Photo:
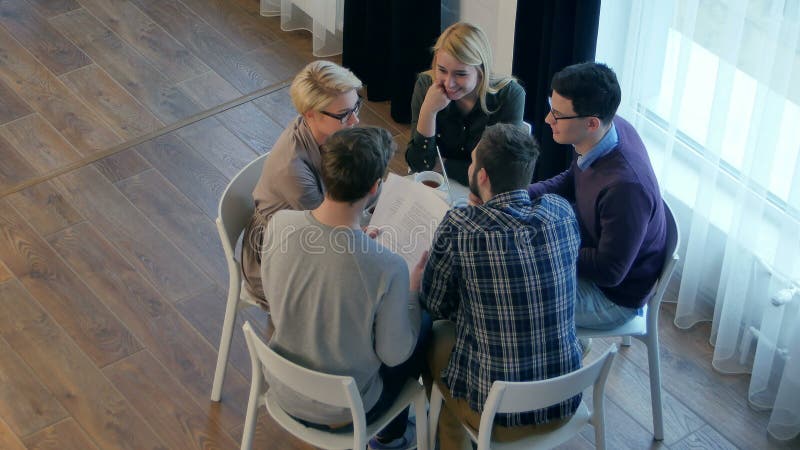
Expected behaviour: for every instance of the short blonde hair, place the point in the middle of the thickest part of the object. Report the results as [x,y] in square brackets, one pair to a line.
[319,83]
[468,44]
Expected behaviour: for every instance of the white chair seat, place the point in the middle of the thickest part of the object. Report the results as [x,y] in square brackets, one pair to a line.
[341,440]
[581,418]
[635,327]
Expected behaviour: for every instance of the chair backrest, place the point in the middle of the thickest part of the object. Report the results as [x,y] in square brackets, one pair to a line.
[670,260]
[335,390]
[528,127]
[513,397]
[236,204]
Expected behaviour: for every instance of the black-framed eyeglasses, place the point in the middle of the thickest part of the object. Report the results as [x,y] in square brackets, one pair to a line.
[557,118]
[345,116]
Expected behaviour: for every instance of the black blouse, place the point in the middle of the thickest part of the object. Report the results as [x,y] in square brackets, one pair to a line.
[458,134]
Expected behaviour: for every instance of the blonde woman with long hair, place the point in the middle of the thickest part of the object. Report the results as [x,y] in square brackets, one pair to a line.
[457,99]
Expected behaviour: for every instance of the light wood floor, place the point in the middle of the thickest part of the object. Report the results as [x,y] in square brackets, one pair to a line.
[121,122]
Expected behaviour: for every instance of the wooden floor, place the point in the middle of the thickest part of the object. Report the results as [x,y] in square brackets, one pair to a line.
[121,122]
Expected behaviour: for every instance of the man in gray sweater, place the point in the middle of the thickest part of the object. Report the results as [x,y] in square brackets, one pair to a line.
[342,303]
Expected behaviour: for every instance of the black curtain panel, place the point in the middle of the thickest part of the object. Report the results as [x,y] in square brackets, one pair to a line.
[550,35]
[387,43]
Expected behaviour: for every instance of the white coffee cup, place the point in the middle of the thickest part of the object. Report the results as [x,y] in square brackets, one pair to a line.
[431,179]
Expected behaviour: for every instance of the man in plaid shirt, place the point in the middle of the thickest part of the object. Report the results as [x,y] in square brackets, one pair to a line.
[502,272]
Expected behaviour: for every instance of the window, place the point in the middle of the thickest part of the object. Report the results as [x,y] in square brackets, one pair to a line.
[714,89]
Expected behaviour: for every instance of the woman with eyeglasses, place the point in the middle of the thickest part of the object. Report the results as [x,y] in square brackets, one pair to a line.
[457,99]
[326,97]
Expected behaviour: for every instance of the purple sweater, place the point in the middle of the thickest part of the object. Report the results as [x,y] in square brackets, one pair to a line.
[621,215]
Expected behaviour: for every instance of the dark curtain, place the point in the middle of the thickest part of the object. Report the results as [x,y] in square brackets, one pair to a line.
[386,43]
[550,35]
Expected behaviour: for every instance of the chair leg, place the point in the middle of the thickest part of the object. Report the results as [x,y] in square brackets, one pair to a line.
[654,362]
[433,415]
[422,420]
[598,421]
[225,342]
[249,429]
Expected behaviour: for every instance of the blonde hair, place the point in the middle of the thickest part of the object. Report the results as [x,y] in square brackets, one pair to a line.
[319,83]
[468,44]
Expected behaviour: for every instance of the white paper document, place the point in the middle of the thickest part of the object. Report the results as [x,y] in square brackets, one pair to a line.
[407,215]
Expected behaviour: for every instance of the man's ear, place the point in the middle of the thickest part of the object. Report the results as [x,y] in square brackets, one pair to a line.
[595,124]
[482,175]
[374,189]
[483,179]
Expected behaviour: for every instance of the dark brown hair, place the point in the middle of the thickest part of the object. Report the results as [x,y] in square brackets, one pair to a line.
[353,159]
[508,153]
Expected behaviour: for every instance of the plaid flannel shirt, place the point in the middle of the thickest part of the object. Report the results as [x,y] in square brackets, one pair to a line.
[505,273]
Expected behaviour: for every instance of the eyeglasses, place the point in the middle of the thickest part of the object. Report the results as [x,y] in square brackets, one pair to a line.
[557,118]
[345,116]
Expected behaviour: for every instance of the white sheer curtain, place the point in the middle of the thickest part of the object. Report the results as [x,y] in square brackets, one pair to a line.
[323,18]
[713,86]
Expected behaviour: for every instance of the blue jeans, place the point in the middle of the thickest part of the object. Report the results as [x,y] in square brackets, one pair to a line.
[594,310]
[394,378]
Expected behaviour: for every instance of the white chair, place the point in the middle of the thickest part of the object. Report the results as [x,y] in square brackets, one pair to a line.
[330,389]
[235,210]
[528,127]
[512,397]
[645,327]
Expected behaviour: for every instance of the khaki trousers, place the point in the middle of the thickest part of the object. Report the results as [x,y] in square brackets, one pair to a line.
[251,259]
[456,411]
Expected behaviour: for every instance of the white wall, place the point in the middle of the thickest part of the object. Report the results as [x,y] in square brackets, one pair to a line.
[496,17]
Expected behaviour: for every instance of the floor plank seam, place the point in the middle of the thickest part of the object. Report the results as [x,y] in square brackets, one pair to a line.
[27,436]
[10,122]
[146,137]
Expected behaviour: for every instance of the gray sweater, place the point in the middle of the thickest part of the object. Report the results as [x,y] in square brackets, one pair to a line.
[291,175]
[340,304]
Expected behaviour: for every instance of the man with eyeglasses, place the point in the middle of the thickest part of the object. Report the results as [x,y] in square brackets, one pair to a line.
[615,194]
